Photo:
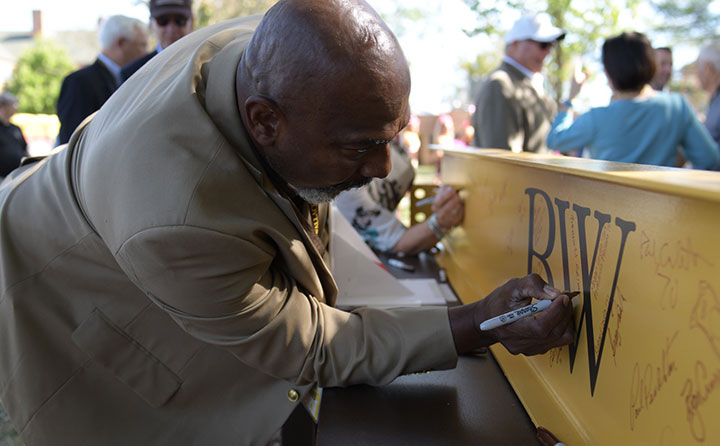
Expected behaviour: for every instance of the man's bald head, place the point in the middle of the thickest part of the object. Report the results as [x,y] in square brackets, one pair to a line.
[306,48]
[322,87]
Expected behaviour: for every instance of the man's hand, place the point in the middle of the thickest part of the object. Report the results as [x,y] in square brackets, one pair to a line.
[580,76]
[449,207]
[533,335]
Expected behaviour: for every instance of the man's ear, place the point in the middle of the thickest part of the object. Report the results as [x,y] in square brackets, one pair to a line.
[709,69]
[264,118]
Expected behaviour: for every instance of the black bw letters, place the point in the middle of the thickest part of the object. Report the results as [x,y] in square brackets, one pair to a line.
[557,215]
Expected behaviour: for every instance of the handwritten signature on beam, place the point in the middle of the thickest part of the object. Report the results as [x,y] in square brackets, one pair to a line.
[696,391]
[679,255]
[646,388]
[616,334]
[706,313]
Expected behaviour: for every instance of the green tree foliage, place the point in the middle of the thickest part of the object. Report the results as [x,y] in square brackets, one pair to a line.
[38,76]
[208,12]
[399,16]
[483,64]
[687,21]
[586,23]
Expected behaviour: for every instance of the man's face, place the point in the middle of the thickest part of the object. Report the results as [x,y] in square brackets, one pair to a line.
[6,112]
[530,54]
[664,63]
[168,28]
[705,74]
[337,144]
[137,47]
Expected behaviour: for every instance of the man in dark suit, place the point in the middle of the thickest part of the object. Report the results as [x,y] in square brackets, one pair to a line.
[13,146]
[169,21]
[122,39]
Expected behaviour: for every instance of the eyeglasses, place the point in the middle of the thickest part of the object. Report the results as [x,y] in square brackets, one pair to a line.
[164,20]
[544,45]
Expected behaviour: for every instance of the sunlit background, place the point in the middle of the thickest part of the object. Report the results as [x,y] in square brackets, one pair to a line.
[449,44]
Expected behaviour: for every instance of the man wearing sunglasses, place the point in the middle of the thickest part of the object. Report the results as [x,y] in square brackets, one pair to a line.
[512,112]
[169,21]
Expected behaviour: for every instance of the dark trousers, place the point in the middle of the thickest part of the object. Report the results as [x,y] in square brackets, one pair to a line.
[299,429]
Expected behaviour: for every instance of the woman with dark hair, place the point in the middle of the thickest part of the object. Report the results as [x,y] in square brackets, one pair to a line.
[640,125]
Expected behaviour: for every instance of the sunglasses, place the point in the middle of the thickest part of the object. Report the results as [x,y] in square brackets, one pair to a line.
[164,20]
[544,45]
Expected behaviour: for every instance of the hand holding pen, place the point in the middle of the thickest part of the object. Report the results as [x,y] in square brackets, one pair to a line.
[520,313]
[550,328]
[448,209]
[547,329]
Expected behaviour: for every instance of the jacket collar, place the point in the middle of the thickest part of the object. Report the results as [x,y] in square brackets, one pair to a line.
[509,61]
[221,104]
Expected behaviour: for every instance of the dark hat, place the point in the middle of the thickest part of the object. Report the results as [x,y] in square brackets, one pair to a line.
[162,7]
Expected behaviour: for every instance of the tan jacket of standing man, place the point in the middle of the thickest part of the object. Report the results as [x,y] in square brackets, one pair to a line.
[163,279]
[512,112]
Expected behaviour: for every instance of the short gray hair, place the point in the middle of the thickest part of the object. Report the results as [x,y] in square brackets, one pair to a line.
[117,26]
[7,99]
[711,54]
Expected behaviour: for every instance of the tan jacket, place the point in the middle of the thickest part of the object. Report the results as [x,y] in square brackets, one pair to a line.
[157,289]
[511,114]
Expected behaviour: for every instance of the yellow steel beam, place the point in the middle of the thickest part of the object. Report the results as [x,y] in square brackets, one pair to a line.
[642,243]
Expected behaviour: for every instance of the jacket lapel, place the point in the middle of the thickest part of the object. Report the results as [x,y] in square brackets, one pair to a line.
[109,83]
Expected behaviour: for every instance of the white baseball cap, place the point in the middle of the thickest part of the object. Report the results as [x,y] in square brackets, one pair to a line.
[535,27]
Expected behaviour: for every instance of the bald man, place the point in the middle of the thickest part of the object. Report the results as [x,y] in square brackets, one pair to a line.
[180,295]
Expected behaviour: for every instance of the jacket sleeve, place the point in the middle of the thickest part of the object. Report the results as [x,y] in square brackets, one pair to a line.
[566,135]
[234,294]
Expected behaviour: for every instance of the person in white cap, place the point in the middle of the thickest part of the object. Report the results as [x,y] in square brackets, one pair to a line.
[512,112]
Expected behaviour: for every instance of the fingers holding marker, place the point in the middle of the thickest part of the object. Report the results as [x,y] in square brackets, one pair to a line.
[449,207]
[442,196]
[551,326]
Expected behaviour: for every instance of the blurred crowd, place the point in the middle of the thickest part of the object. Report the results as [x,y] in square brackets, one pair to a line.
[650,124]
[643,122]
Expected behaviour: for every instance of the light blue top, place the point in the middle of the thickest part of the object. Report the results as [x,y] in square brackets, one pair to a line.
[643,131]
